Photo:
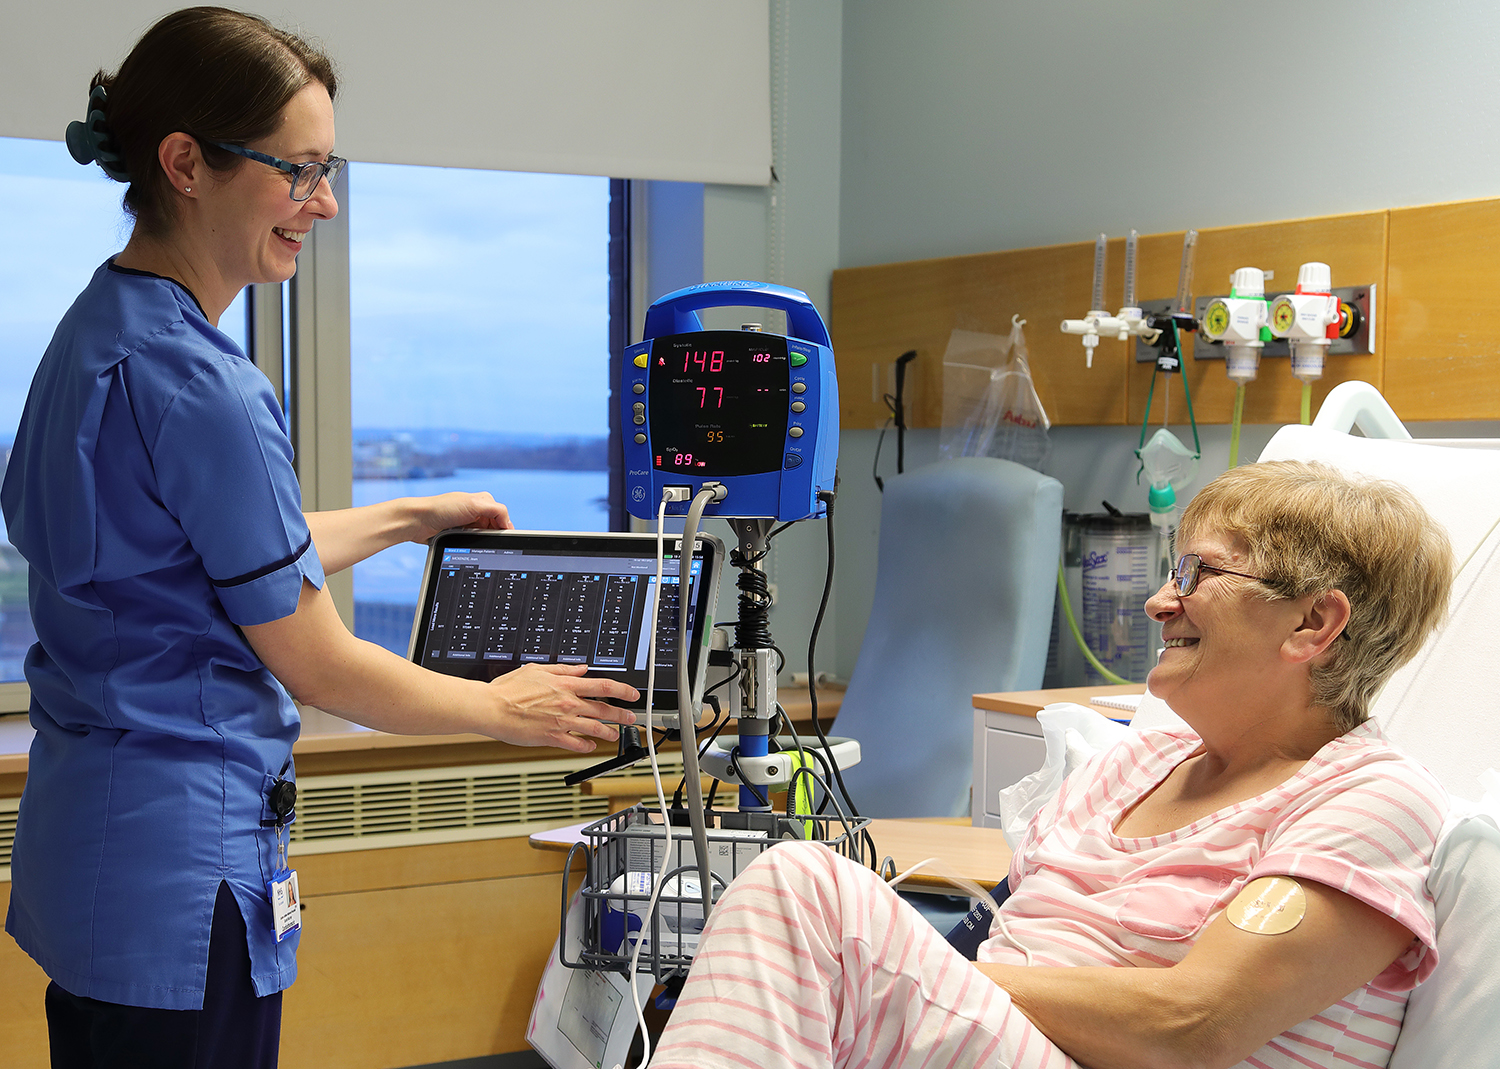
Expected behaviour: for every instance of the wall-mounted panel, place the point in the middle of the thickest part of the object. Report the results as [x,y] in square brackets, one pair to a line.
[1443,345]
[880,312]
[1436,338]
[1354,248]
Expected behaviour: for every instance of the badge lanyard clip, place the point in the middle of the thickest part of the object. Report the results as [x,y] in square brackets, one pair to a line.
[286,908]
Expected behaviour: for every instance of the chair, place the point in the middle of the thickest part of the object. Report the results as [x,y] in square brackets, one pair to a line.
[964,584]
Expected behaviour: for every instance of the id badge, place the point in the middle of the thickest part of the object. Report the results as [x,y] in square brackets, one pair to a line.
[286,903]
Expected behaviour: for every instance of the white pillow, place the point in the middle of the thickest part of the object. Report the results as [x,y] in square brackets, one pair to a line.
[1452,1020]
[1073,734]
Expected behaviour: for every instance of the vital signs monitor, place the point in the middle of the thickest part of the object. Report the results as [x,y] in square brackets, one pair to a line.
[493,601]
[754,411]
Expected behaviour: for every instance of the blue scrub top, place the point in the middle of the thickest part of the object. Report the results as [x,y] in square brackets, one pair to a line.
[151,490]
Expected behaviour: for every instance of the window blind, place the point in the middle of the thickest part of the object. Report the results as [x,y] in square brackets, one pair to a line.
[663,89]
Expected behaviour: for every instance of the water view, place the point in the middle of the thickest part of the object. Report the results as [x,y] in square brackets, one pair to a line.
[386,586]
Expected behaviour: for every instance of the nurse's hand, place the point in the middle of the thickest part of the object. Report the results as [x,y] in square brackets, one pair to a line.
[315,657]
[429,515]
[345,537]
[557,705]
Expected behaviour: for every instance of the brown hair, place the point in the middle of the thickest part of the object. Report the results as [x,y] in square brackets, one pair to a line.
[213,73]
[1310,528]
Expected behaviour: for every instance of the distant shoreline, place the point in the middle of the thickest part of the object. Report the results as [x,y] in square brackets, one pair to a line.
[404,455]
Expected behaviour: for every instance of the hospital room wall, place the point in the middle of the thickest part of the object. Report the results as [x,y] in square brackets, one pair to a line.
[787,233]
[977,125]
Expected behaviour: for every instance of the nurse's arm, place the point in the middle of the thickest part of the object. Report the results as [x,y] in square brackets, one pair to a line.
[1231,994]
[345,537]
[321,664]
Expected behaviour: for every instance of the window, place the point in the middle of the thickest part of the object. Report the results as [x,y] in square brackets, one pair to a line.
[58,223]
[479,353]
[480,319]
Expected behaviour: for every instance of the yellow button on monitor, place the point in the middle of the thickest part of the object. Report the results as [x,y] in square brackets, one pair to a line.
[642,360]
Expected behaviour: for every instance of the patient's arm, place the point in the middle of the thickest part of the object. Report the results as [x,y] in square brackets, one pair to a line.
[1233,992]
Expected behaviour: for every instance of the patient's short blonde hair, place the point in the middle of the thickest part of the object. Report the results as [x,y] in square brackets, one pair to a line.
[1309,528]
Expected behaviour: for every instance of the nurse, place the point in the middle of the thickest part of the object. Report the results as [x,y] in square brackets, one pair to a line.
[177,588]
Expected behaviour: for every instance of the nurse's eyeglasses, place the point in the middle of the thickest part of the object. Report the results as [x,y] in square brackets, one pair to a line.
[305,176]
[1190,568]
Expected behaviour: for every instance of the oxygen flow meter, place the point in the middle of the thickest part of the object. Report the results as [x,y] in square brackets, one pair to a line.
[753,411]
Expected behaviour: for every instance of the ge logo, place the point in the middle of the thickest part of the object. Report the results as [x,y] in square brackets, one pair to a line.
[638,494]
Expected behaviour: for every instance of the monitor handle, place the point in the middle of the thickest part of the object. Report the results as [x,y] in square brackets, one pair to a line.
[677,312]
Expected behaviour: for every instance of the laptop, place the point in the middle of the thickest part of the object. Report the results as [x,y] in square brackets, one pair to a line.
[493,601]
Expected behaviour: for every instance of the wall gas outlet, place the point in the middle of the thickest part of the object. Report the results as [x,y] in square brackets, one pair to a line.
[1360,340]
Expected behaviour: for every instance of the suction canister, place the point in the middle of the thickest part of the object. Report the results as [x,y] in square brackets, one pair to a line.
[1119,565]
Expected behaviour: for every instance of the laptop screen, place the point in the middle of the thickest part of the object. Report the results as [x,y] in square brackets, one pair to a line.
[493,601]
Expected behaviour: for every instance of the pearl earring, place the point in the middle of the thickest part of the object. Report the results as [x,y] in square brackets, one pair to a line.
[187,189]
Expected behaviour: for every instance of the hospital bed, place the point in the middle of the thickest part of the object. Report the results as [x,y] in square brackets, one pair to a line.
[1443,708]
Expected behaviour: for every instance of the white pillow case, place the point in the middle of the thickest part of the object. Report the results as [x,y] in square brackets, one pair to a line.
[1453,1019]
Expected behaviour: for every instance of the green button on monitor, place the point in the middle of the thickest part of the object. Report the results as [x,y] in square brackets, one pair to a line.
[798,359]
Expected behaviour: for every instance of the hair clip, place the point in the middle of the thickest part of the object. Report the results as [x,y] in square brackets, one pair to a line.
[89,141]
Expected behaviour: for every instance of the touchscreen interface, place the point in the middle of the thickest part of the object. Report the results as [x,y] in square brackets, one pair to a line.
[497,601]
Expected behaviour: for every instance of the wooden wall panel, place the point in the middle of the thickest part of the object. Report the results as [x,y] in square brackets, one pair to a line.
[1353,246]
[880,312]
[23,1021]
[413,975]
[414,866]
[410,955]
[1443,346]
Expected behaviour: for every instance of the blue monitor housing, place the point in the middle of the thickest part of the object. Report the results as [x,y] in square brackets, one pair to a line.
[757,412]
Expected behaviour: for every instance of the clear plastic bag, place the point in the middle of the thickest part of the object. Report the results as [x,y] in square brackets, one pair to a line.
[990,405]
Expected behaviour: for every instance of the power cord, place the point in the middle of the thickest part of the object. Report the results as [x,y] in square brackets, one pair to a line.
[828,497]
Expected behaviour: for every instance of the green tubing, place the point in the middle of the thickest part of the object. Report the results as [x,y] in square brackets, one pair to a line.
[1067,608]
[1306,404]
[1146,417]
[1234,425]
[1188,395]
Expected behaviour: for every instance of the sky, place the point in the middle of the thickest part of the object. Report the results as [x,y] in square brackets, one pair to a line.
[479,299]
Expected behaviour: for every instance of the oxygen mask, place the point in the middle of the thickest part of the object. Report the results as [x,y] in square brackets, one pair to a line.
[1169,466]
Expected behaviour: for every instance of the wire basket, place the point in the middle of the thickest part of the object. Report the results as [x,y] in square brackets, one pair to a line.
[624,854]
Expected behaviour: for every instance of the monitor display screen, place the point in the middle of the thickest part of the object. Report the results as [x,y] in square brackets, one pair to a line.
[496,600]
[719,402]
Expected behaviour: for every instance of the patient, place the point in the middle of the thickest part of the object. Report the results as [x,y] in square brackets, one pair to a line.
[1134,935]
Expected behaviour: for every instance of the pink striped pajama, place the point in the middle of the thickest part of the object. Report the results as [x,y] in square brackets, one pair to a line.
[811,961]
[816,962]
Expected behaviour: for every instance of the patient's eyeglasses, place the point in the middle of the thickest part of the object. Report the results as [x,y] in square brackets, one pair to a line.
[1190,568]
[305,176]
